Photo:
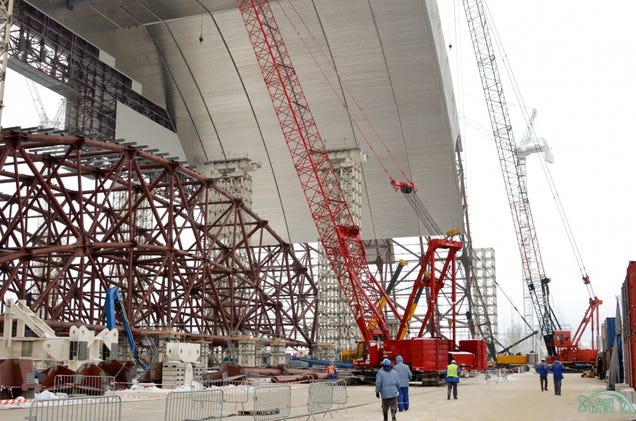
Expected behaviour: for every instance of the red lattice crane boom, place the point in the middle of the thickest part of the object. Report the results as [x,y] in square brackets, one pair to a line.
[337,231]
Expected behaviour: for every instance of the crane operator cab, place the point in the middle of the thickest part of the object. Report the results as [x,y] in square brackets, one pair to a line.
[563,339]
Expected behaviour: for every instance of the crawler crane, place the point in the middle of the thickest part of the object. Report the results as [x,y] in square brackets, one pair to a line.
[560,344]
[338,233]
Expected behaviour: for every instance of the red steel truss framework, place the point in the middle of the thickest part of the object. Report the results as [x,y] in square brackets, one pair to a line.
[80,215]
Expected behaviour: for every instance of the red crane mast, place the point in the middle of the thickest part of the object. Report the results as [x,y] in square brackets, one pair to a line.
[338,233]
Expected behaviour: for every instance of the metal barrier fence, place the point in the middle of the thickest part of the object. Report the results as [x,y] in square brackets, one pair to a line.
[79,384]
[94,408]
[340,396]
[322,397]
[271,402]
[200,405]
[496,376]
[238,394]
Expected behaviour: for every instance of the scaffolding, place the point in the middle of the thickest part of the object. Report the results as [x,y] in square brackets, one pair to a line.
[336,324]
[484,267]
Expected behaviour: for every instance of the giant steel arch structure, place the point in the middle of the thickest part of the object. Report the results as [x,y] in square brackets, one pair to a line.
[81,215]
[217,268]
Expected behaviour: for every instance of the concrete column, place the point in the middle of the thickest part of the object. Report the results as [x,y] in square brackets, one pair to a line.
[277,353]
[246,351]
[484,265]
[336,324]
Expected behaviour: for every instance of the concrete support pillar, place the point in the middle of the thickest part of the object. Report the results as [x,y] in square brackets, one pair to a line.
[233,175]
[326,351]
[336,324]
[277,353]
[246,351]
[484,309]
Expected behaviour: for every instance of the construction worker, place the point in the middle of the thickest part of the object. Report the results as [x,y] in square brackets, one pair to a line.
[557,375]
[331,372]
[542,369]
[387,383]
[452,374]
[405,375]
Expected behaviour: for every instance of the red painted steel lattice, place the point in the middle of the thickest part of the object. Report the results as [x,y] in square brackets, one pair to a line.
[80,215]
[337,231]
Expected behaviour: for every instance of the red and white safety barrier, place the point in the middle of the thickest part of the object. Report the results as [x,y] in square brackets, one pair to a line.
[16,401]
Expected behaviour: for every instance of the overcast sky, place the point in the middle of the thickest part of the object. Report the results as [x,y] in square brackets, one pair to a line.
[574,62]
[20,108]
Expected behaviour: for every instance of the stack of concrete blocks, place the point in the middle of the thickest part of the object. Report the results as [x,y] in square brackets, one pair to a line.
[182,365]
[246,351]
[325,351]
[277,354]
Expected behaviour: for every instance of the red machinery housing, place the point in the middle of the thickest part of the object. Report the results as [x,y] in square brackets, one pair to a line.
[567,346]
[568,351]
[427,352]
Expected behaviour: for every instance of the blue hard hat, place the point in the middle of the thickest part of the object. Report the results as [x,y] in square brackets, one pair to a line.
[386,362]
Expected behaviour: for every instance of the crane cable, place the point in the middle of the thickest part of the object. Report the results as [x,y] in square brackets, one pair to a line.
[347,89]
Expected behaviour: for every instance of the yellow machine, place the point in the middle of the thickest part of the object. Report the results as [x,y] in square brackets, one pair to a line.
[508,360]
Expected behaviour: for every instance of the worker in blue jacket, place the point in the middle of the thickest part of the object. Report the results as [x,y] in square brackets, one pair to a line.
[405,375]
[386,386]
[452,374]
[542,369]
[557,375]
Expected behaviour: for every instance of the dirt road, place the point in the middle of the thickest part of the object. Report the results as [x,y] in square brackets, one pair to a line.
[518,398]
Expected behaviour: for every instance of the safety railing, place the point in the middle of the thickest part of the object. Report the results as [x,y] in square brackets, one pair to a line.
[237,394]
[198,405]
[79,384]
[271,403]
[93,408]
[496,376]
[325,397]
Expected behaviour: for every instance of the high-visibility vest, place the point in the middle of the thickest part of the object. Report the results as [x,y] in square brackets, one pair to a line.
[451,370]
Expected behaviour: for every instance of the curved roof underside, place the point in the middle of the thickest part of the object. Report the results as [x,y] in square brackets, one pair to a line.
[194,58]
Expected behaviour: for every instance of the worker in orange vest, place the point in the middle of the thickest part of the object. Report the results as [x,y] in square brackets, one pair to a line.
[331,372]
